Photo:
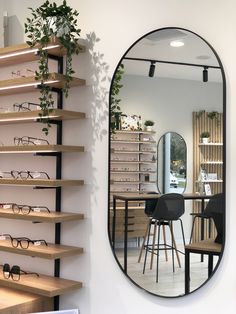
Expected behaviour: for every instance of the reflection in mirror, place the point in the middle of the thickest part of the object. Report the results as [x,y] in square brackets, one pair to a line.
[158,86]
[171,163]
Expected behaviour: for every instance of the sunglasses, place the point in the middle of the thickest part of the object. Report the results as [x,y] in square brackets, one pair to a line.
[28,140]
[24,209]
[15,272]
[23,242]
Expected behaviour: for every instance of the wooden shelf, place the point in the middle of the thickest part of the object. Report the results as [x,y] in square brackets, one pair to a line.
[23,53]
[52,217]
[132,142]
[19,302]
[33,116]
[212,162]
[131,172]
[43,285]
[52,251]
[132,162]
[41,149]
[29,84]
[41,182]
[133,132]
[132,182]
[210,144]
[115,151]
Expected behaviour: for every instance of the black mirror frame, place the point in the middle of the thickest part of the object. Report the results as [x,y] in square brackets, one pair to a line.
[224,159]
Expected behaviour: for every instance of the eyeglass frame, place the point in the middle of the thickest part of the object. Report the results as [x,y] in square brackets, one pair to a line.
[19,241]
[15,270]
[19,173]
[20,106]
[19,208]
[21,140]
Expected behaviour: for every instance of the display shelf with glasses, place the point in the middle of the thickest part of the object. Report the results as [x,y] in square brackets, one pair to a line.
[42,285]
[51,286]
[207,160]
[132,169]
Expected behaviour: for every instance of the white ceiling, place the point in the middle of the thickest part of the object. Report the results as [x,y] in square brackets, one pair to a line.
[157,46]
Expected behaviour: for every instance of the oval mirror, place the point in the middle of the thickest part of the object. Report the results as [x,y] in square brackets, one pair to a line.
[167,240]
[171,163]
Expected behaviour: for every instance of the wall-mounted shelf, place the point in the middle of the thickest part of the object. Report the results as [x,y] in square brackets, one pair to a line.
[51,251]
[132,142]
[43,285]
[29,84]
[49,286]
[139,152]
[212,162]
[33,116]
[131,182]
[132,162]
[132,172]
[41,149]
[23,53]
[134,132]
[41,182]
[19,302]
[210,144]
[52,217]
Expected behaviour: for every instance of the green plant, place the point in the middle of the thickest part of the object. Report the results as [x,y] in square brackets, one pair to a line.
[149,123]
[115,110]
[50,21]
[205,134]
[214,115]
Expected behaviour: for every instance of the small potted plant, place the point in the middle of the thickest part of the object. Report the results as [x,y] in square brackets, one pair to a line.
[51,21]
[149,124]
[205,137]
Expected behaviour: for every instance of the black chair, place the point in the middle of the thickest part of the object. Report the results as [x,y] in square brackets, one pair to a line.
[170,207]
[214,210]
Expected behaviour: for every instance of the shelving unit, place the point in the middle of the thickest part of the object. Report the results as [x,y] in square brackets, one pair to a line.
[49,286]
[133,157]
[207,157]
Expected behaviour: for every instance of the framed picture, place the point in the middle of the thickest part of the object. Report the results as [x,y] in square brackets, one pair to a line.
[207,188]
[130,122]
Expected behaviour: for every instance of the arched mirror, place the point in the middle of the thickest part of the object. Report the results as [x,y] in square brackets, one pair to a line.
[171,163]
[169,80]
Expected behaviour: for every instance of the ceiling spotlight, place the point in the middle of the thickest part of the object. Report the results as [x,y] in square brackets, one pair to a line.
[176,43]
[205,74]
[152,69]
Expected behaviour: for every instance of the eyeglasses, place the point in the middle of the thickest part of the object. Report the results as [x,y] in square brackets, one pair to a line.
[15,272]
[23,242]
[23,174]
[24,209]
[25,106]
[28,140]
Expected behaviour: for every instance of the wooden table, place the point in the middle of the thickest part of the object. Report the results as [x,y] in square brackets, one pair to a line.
[143,197]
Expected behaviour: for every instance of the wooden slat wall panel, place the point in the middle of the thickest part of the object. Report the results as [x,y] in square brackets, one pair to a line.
[206,153]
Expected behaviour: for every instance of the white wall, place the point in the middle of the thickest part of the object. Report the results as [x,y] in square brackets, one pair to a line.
[118,24]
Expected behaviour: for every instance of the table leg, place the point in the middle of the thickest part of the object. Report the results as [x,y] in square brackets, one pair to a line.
[210,264]
[114,224]
[202,225]
[126,236]
[187,272]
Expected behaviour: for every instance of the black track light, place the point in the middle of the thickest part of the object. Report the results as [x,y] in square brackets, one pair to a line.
[205,74]
[152,69]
